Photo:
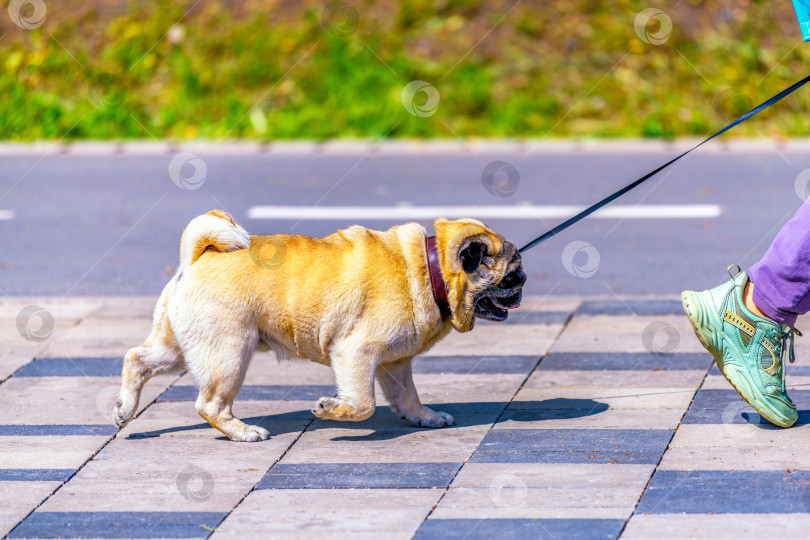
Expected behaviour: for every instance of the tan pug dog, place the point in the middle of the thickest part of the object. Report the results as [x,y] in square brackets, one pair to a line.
[358,300]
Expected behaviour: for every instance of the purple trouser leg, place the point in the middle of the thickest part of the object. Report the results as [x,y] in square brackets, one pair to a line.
[782,278]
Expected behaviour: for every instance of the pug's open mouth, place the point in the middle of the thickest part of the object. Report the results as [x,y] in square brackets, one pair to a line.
[496,309]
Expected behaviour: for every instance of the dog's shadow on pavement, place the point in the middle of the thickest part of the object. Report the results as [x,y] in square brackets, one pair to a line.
[385,425]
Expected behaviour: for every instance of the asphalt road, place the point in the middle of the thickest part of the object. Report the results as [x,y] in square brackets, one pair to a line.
[111,224]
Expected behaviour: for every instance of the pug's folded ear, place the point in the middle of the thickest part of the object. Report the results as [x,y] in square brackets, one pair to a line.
[471,255]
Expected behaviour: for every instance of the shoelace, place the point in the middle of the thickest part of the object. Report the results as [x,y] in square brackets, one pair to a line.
[784,335]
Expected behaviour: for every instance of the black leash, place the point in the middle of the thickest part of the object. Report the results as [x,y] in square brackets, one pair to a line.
[610,198]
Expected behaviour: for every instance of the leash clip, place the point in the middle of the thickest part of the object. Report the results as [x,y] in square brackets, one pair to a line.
[734,276]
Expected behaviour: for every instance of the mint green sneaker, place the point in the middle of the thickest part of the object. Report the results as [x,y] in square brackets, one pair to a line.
[748,349]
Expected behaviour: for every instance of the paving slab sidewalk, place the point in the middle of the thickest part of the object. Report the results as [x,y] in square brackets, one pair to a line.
[580,418]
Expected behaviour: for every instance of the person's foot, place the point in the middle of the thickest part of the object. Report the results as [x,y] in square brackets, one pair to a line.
[749,349]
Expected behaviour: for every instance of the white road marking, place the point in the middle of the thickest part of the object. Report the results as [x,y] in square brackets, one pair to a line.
[6,215]
[518,211]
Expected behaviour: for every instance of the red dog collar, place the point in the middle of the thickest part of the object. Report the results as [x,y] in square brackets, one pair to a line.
[436,279]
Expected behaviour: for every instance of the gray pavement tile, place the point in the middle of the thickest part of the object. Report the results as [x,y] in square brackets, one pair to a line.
[117,525]
[630,307]
[717,526]
[471,529]
[306,514]
[524,502]
[532,317]
[648,389]
[601,417]
[72,367]
[466,388]
[264,392]
[359,476]
[624,361]
[628,334]
[474,364]
[567,304]
[754,457]
[544,490]
[517,339]
[35,475]
[69,400]
[12,430]
[65,310]
[609,380]
[126,307]
[742,435]
[48,452]
[629,446]
[722,492]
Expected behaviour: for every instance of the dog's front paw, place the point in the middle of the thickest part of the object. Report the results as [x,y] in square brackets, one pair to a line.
[428,418]
[338,408]
[122,414]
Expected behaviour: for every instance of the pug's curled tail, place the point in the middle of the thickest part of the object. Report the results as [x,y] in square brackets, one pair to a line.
[215,230]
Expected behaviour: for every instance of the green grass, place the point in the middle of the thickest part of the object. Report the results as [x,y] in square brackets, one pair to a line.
[274,70]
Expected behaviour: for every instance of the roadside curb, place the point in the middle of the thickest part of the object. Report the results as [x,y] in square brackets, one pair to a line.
[337,147]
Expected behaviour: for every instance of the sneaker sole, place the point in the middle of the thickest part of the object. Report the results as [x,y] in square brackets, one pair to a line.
[704,322]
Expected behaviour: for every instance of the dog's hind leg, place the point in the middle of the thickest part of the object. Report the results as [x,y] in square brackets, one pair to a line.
[396,380]
[158,355]
[219,368]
